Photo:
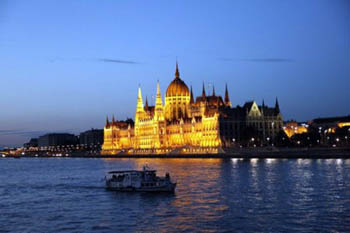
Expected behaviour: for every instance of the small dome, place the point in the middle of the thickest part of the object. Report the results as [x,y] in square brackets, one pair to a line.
[177,87]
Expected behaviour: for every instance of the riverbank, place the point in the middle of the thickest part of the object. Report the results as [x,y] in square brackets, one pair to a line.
[246,153]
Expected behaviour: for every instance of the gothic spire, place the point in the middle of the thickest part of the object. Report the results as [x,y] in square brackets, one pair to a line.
[107,121]
[227,99]
[277,106]
[139,107]
[213,90]
[113,120]
[203,91]
[146,104]
[263,106]
[158,113]
[191,98]
[159,102]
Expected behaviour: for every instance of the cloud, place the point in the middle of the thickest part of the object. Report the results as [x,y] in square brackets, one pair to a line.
[22,132]
[77,59]
[259,60]
[7,131]
[32,133]
[117,61]
[270,60]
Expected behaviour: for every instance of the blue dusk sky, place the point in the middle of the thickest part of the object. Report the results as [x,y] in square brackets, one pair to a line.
[66,64]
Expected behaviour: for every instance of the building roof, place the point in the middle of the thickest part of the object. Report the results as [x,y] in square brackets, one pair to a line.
[326,120]
[211,100]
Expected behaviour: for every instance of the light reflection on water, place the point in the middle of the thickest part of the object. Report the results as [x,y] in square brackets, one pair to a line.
[240,195]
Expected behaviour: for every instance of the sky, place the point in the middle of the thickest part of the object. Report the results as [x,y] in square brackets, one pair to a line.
[66,64]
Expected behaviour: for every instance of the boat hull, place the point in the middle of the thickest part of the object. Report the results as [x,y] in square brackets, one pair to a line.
[165,188]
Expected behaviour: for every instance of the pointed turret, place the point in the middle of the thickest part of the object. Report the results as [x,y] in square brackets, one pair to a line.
[139,107]
[191,96]
[227,99]
[146,105]
[203,91]
[277,106]
[177,73]
[213,90]
[263,107]
[107,122]
[159,104]
[113,119]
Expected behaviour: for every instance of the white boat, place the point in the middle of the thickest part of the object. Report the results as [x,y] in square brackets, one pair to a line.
[139,181]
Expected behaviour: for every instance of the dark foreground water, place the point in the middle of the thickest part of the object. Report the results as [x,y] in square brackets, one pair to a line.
[213,195]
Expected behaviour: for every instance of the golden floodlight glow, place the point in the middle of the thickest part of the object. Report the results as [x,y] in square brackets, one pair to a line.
[188,125]
[343,124]
[177,127]
[292,128]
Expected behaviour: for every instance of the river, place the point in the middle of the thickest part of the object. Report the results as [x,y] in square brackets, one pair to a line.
[212,195]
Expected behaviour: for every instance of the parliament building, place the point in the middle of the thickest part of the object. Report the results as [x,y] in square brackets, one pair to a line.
[185,124]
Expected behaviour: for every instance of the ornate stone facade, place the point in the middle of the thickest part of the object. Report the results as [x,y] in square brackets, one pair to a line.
[185,125]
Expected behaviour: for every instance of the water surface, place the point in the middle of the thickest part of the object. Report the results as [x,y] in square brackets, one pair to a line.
[213,195]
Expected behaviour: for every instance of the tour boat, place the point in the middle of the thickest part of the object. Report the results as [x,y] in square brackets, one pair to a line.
[145,180]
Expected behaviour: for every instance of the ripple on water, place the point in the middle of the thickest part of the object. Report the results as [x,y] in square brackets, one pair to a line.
[68,195]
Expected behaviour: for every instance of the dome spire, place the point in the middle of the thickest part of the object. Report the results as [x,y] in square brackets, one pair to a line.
[177,73]
[177,87]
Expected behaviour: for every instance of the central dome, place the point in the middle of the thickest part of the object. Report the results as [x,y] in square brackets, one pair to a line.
[177,87]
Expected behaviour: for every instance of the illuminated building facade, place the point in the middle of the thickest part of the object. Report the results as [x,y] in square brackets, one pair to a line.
[184,124]
[292,127]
